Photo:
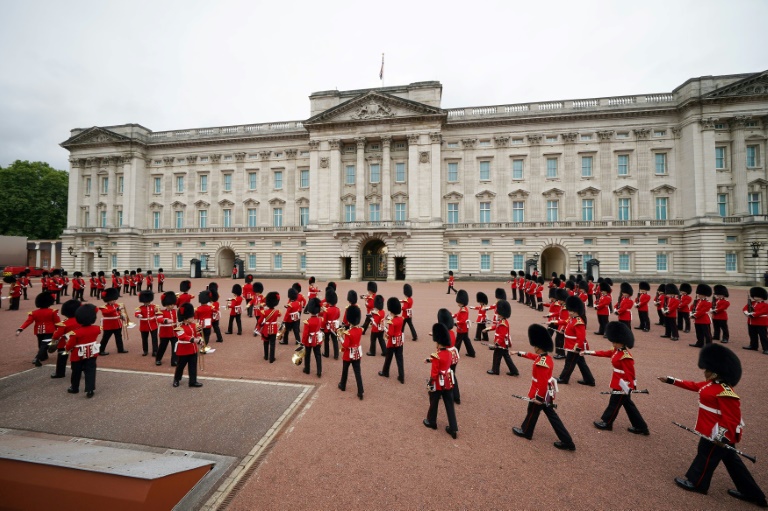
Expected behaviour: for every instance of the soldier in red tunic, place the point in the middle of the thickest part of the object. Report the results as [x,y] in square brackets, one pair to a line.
[623,381]
[641,303]
[440,382]
[671,306]
[603,307]
[168,322]
[268,324]
[235,305]
[377,327]
[160,280]
[312,289]
[148,280]
[394,338]
[756,311]
[139,280]
[684,310]
[248,295]
[445,318]
[184,296]
[719,422]
[147,315]
[701,316]
[111,322]
[501,340]
[25,282]
[257,300]
[331,323]
[204,316]
[575,335]
[291,318]
[720,306]
[132,283]
[14,292]
[59,341]
[77,286]
[462,323]
[213,288]
[513,284]
[407,306]
[541,393]
[45,320]
[83,345]
[450,283]
[625,304]
[126,282]
[370,298]
[659,301]
[481,308]
[312,337]
[186,346]
[300,298]
[351,350]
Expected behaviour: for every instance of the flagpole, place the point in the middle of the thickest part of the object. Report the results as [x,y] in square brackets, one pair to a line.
[381,73]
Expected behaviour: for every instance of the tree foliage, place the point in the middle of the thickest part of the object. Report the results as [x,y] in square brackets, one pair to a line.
[33,200]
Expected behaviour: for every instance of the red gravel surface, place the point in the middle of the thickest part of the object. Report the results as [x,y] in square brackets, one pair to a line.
[342,453]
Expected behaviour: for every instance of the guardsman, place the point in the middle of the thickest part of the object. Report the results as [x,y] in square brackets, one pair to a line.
[394,338]
[292,317]
[268,324]
[116,280]
[377,327]
[45,320]
[126,282]
[235,305]
[407,305]
[92,286]
[256,303]
[58,282]
[590,291]
[101,285]
[160,280]
[139,280]
[440,382]
[720,306]
[501,341]
[111,321]
[78,286]
[561,321]
[14,292]
[623,381]
[300,298]
[187,346]
[684,310]
[184,296]
[331,315]
[481,308]
[624,310]
[59,342]
[149,281]
[575,341]
[25,282]
[641,303]
[147,315]
[234,271]
[248,295]
[603,307]
[169,320]
[659,301]
[521,286]
[213,289]
[540,293]
[513,284]
[450,282]
[312,337]
[719,423]
[132,283]
[83,346]
[351,350]
[462,323]
[445,318]
[671,306]
[701,316]
[312,289]
[351,302]
[756,311]
[369,304]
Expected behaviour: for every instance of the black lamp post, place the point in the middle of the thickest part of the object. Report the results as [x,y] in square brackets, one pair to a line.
[579,255]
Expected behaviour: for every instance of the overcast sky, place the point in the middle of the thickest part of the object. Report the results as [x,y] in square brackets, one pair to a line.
[176,64]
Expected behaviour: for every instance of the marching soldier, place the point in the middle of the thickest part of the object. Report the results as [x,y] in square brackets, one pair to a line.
[25,282]
[184,296]
[312,337]
[590,291]
[351,302]
[92,285]
[101,285]
[394,337]
[168,323]
[701,318]
[370,299]
[312,289]
[160,280]
[83,347]
[268,324]
[559,322]
[132,283]
[407,306]
[45,320]
[377,327]
[575,341]
[671,306]
[248,295]
[204,317]
[213,289]
[756,311]
[513,284]
[351,350]
[139,280]
[462,323]
[147,315]
[501,340]
[148,280]
[300,298]
[445,318]
[450,283]
[292,317]
[660,302]
[126,282]
[59,341]
[186,346]
[720,306]
[331,323]
[684,310]
[641,302]
[624,310]
[111,322]
[603,307]
[440,382]
[14,292]
[481,308]
[235,305]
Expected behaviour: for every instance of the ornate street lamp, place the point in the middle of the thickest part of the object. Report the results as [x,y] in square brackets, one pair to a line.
[579,255]
[755,246]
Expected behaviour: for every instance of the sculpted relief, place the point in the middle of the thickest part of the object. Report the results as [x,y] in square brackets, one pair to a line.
[373,110]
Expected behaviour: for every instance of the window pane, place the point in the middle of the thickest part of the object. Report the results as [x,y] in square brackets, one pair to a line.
[485,262]
[586,166]
[179,219]
[350,175]
[155,220]
[623,262]
[753,200]
[661,262]
[251,180]
[453,213]
[751,156]
[719,157]
[552,210]
[624,209]
[453,172]
[722,204]
[374,213]
[587,210]
[119,218]
[551,167]
[730,262]
[105,185]
[179,261]
[251,261]
[518,211]
[400,212]
[453,262]
[485,170]
[278,261]
[517,169]
[304,180]
[485,212]
[277,217]
[155,261]
[227,218]
[304,216]
[661,208]
[400,172]
[623,165]
[278,180]
[204,183]
[375,173]
[303,261]
[203,219]
[120,184]
[661,163]
[517,262]
[252,217]
[349,213]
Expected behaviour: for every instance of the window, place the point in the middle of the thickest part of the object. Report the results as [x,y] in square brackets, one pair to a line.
[661,262]
[203,183]
[155,261]
[518,211]
[730,261]
[251,261]
[179,184]
[400,172]
[277,261]
[663,241]
[155,219]
[203,218]
[552,139]
[375,171]
[304,178]
[623,262]
[303,216]
[625,209]
[453,145]
[349,176]
[120,218]
[87,219]
[589,241]
[519,241]
[113,260]
[623,164]
[179,244]
[485,143]
[179,219]
[120,184]
[228,158]
[517,169]
[102,218]
[586,257]
[753,156]
[251,180]
[453,243]
[753,203]
[659,133]
[453,213]
[661,163]
[453,262]
[251,243]
[552,210]
[517,262]
[586,166]
[485,242]
[722,204]
[624,241]
[586,137]
[179,261]
[202,243]
[453,172]
[227,220]
[277,217]
[349,212]
[518,141]
[278,180]
[400,215]
[104,185]
[720,158]
[251,217]
[485,171]
[278,244]
[485,212]
[227,182]
[158,184]
[731,239]
[485,262]
[587,210]
[87,185]
[303,261]
[551,168]
[623,134]
[661,208]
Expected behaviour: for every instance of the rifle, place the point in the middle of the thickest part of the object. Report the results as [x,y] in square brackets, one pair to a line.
[644,391]
[750,458]
[523,398]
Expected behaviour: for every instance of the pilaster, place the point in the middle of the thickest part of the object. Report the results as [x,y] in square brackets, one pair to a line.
[413,177]
[386,180]
[315,177]
[360,180]
[738,166]
[436,181]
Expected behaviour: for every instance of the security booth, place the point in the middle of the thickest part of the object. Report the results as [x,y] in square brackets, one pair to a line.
[239,264]
[194,269]
[593,269]
[530,265]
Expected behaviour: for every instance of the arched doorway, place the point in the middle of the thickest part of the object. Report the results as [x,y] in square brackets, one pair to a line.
[225,260]
[553,260]
[374,259]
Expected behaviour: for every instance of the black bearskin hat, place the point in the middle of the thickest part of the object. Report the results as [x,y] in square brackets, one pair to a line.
[721,361]
[604,286]
[248,278]
[450,273]
[583,285]
[149,272]
[313,306]
[203,297]
[258,287]
[407,290]
[352,296]
[570,285]
[618,332]
[445,318]
[332,285]
[185,286]
[101,274]
[504,309]
[685,288]
[69,308]
[671,289]
[481,297]
[501,294]
[237,290]
[378,302]
[330,297]
[353,315]
[213,286]
[86,314]
[574,304]
[138,270]
[609,281]
[372,287]
[662,288]
[626,288]
[556,282]
[133,272]
[644,286]
[721,290]
[186,311]
[311,280]
[540,280]
[160,270]
[394,306]
[440,335]
[292,294]
[758,292]
[561,295]
[703,290]
[297,287]
[168,298]
[146,296]
[44,300]
[110,294]
[539,337]
[462,298]
[214,295]
[552,293]
[521,273]
[272,299]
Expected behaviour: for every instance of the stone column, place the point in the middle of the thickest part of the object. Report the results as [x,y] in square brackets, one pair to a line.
[75,191]
[413,177]
[535,209]
[738,167]
[607,176]
[37,255]
[436,140]
[360,180]
[645,171]
[109,200]
[238,190]
[469,178]
[570,178]
[386,179]
[332,187]
[315,176]
[52,263]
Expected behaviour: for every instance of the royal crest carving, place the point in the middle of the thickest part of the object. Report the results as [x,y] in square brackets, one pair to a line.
[191,159]
[501,140]
[436,138]
[334,144]
[215,158]
[708,123]
[291,153]
[264,155]
[423,156]
[324,162]
[373,110]
[468,143]
[168,160]
[413,138]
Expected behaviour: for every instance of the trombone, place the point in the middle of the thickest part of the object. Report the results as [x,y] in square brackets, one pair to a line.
[127,323]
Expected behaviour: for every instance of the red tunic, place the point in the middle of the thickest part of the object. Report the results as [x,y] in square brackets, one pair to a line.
[247,292]
[407,307]
[602,307]
[78,284]
[377,321]
[720,311]
[160,278]
[700,313]
[719,406]
[441,376]
[344,320]
[216,315]
[15,290]
[542,372]
[110,317]
[267,323]
[44,319]
[575,334]
[168,322]
[450,280]
[685,303]
[69,325]
[309,334]
[236,306]
[759,315]
[350,344]
[501,330]
[462,320]
[623,367]
[85,340]
[554,311]
[672,304]
[641,302]
[292,312]
[312,292]
[148,315]
[481,311]
[187,339]
[369,303]
[395,332]
[331,318]
[625,309]
[148,280]
[204,315]
[183,298]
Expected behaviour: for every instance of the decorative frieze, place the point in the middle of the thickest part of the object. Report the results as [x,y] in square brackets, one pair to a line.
[436,138]
[240,157]
[534,139]
[264,155]
[313,145]
[215,158]
[334,144]
[468,143]
[501,140]
[605,135]
[192,159]
[168,160]
[740,121]
[413,138]
[291,153]
[642,133]
[708,123]
[569,138]
[74,163]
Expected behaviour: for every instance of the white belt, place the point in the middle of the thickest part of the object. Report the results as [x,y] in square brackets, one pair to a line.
[570,337]
[618,371]
[713,410]
[534,379]
[83,349]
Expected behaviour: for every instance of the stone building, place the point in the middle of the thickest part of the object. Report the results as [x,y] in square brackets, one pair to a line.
[386,184]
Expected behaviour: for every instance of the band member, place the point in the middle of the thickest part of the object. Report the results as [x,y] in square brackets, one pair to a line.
[501,341]
[268,324]
[312,289]
[77,286]
[234,271]
[590,291]
[58,285]
[351,302]
[331,315]
[671,305]
[445,318]
[186,346]
[521,286]
[184,296]
[377,327]
[132,283]
[160,280]
[603,307]
[720,306]
[500,296]
[25,282]
[641,302]
[248,295]
[624,309]
[513,284]
[450,283]
[92,284]
[481,308]
[101,285]
[440,383]
[542,392]
[719,422]
[116,280]
[257,301]
[462,323]
[147,314]
[623,381]
[756,311]
[14,292]
[540,294]
[59,342]
[559,322]
[204,317]
[148,281]
[292,317]
[701,318]
[394,338]
[300,298]
[139,280]
[369,304]
[582,292]
[575,334]
[168,323]
[45,320]
[213,289]
[312,337]
[530,291]
[407,305]
[83,347]
[660,302]
[126,282]
[684,310]
[351,350]
[235,305]
[111,321]
[65,278]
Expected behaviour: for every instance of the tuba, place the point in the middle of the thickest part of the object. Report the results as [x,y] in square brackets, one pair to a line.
[298,355]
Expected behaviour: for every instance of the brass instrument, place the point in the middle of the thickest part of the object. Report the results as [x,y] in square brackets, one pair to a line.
[298,355]
[280,332]
[127,323]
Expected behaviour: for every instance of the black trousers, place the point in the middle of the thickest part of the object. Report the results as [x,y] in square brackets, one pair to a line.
[479,332]
[125,289]
[163,346]
[138,286]
[708,457]
[703,334]
[269,348]
[65,290]
[590,300]
[377,337]
[628,323]
[572,359]
[456,392]
[77,294]
[645,321]
[366,323]
[670,327]
[182,363]
[118,333]
[92,292]
[602,321]
[358,376]
[308,359]
[42,346]
[14,305]
[721,324]
[206,335]
[232,319]
[662,321]
[514,293]
[145,341]
[559,342]
[434,400]
[159,287]
[500,353]
[683,320]
[87,366]
[521,299]
[539,304]
[330,337]
[24,292]
[249,311]
[450,288]
[217,330]
[623,400]
[464,337]
[398,353]
[532,417]
[292,326]
[755,333]
[409,322]
[61,362]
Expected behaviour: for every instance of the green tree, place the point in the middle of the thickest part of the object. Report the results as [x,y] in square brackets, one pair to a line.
[33,200]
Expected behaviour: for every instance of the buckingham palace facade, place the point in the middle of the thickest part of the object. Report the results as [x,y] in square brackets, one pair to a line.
[386,184]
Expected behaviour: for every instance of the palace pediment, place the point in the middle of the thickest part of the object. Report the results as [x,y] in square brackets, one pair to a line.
[755,85]
[374,106]
[95,136]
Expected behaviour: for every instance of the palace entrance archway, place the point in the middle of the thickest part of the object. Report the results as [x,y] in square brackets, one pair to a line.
[374,260]
[225,261]
[552,260]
